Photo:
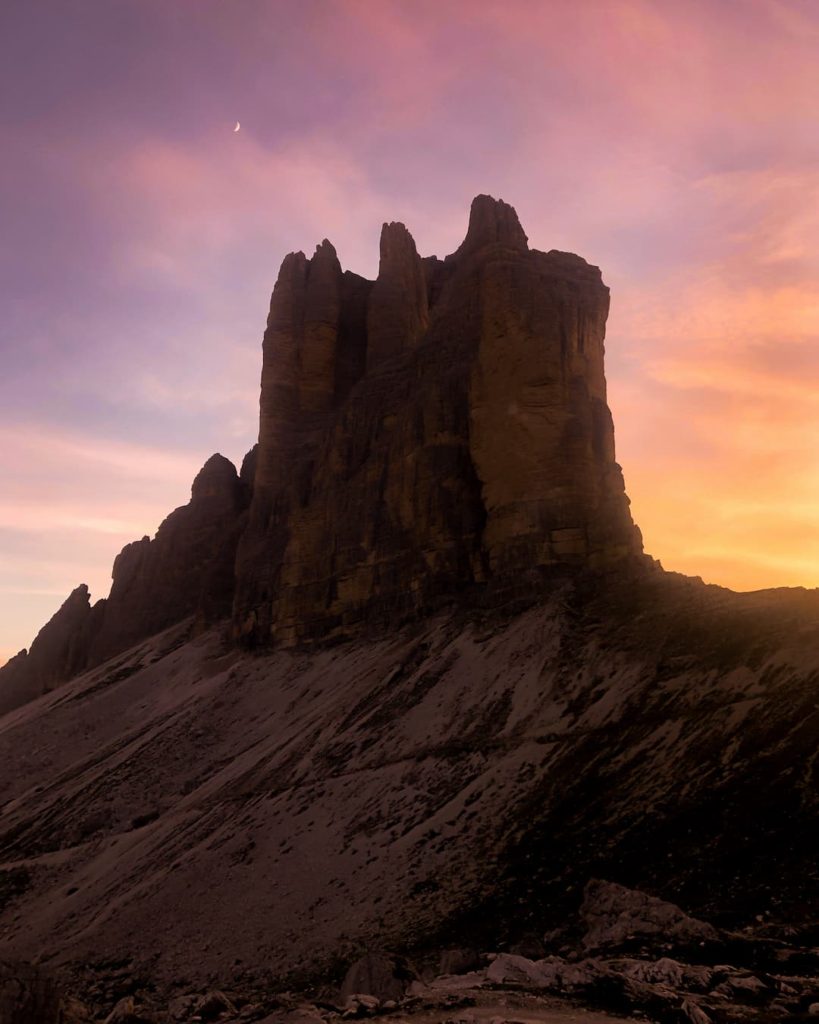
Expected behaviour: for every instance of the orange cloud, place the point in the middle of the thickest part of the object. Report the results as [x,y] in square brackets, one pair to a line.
[718,414]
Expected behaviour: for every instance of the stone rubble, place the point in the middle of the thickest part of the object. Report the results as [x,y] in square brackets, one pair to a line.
[380,984]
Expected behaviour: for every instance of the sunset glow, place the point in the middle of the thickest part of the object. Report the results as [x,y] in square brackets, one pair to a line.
[674,144]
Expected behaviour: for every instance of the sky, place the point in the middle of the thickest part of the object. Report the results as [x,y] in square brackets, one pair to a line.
[673,143]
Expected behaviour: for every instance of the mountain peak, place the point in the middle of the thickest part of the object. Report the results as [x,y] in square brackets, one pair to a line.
[492,222]
[217,478]
[421,436]
[470,442]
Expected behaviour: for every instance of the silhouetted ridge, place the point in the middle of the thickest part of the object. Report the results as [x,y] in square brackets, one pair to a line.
[440,431]
[186,570]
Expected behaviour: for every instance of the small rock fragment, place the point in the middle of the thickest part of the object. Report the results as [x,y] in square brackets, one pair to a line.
[213,1005]
[126,1011]
[694,1013]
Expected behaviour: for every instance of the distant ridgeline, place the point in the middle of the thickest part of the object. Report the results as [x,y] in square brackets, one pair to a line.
[439,432]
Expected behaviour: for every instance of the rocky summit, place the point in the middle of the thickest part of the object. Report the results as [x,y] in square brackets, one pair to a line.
[439,432]
[383,710]
[438,429]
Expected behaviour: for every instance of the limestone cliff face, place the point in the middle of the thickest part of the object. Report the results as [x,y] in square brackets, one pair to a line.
[471,440]
[541,434]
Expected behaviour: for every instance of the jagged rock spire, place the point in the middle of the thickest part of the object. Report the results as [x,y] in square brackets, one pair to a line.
[441,428]
[477,445]
[492,222]
[398,309]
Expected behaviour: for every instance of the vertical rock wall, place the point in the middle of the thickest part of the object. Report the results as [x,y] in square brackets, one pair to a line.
[478,443]
[421,436]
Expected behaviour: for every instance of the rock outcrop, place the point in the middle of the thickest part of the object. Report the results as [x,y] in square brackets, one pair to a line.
[186,570]
[439,432]
[617,917]
[58,652]
[470,442]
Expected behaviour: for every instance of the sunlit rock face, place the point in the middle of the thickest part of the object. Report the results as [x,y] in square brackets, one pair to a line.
[441,428]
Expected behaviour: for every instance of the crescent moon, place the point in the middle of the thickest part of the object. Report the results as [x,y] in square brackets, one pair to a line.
[238,126]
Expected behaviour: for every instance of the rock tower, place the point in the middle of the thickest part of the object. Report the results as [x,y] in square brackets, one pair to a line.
[442,427]
[439,433]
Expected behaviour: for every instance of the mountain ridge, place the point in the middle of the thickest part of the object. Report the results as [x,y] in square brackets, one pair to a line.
[368,498]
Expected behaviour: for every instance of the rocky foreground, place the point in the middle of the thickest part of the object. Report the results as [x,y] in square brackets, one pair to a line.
[624,955]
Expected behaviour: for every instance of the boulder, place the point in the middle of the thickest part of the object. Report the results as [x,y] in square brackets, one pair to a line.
[616,917]
[511,969]
[459,961]
[181,1007]
[380,975]
[665,971]
[213,1005]
[742,987]
[553,973]
[693,1013]
[623,986]
[359,1004]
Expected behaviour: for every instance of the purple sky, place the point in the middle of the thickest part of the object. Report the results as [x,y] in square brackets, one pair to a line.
[675,144]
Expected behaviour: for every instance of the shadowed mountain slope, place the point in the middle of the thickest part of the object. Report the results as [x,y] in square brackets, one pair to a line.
[205,811]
